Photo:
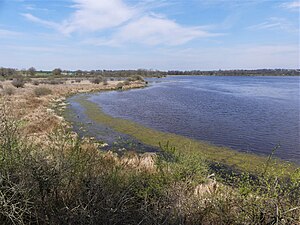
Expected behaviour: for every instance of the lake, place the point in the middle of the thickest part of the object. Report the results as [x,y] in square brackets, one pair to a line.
[249,114]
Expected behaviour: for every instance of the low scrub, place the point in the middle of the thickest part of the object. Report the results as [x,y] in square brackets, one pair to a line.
[18,82]
[105,82]
[41,91]
[126,82]
[97,80]
[70,181]
[9,91]
[120,85]
[35,82]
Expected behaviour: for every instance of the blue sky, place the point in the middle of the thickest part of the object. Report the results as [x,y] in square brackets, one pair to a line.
[150,34]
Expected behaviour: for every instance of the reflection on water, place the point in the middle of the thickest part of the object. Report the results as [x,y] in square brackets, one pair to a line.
[251,114]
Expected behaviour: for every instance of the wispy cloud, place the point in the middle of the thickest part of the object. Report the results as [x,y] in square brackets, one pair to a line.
[293,5]
[275,23]
[126,23]
[151,30]
[46,23]
[8,33]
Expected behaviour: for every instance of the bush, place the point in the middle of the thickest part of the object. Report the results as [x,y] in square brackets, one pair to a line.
[9,91]
[41,91]
[126,82]
[1,86]
[105,82]
[120,85]
[18,82]
[96,80]
[54,81]
[78,80]
[35,82]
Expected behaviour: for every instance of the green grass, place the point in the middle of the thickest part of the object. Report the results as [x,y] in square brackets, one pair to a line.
[225,156]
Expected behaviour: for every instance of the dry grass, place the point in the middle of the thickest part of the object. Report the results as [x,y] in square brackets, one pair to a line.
[64,180]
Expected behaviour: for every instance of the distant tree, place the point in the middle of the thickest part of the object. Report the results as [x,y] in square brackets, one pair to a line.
[78,72]
[31,71]
[56,72]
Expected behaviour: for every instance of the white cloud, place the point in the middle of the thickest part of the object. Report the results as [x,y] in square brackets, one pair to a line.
[152,30]
[95,15]
[129,23]
[291,5]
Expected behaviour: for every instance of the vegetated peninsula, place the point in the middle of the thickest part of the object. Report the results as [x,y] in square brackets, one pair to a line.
[50,175]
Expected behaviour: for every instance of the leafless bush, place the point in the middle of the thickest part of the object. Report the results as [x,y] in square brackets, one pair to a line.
[41,91]
[18,82]
[8,91]
[120,85]
[35,82]
[126,82]
[96,80]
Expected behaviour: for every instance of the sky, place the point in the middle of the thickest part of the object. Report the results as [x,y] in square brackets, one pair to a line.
[149,34]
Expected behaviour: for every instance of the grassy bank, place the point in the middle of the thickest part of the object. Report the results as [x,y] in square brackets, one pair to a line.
[69,181]
[241,161]
[62,179]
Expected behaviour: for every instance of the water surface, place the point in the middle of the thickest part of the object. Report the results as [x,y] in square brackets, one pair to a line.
[250,114]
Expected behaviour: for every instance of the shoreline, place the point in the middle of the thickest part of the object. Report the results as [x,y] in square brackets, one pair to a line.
[214,154]
[41,115]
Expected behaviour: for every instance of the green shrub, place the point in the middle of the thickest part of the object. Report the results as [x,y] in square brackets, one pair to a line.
[126,82]
[41,91]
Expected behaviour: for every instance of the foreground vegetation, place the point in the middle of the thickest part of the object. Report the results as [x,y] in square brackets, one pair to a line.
[71,181]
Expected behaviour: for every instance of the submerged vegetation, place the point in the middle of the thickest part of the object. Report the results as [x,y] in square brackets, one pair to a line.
[217,155]
[71,181]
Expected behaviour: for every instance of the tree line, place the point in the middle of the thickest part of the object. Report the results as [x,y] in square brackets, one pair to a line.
[32,72]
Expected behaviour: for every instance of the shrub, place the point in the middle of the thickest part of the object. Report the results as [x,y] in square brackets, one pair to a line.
[54,81]
[41,91]
[9,91]
[105,82]
[96,80]
[18,82]
[136,77]
[1,86]
[120,85]
[35,82]
[78,80]
[126,82]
